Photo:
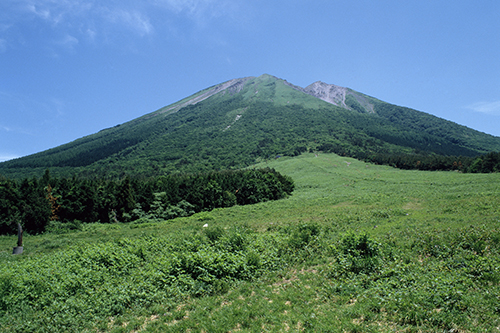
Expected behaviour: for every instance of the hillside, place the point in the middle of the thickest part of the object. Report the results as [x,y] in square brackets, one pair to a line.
[243,121]
[356,248]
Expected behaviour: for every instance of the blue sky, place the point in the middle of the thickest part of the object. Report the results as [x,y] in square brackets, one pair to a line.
[69,68]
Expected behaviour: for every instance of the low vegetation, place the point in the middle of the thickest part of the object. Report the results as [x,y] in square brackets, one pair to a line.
[356,248]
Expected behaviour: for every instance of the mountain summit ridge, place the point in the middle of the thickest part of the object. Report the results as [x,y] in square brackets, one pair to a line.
[330,93]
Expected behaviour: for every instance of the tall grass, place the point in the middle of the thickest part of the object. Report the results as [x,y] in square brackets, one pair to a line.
[356,248]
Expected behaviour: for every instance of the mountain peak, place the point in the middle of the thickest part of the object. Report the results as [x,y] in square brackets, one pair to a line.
[240,121]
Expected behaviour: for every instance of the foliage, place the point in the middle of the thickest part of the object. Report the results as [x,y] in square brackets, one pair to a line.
[303,235]
[87,284]
[161,198]
[429,162]
[357,254]
[72,288]
[489,162]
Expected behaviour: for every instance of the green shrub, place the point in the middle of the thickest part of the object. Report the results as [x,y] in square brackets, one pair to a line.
[214,234]
[236,242]
[304,234]
[356,254]
[58,227]
[204,216]
[359,245]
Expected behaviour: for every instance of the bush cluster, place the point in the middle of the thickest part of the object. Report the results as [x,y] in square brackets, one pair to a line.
[69,290]
[435,282]
[450,282]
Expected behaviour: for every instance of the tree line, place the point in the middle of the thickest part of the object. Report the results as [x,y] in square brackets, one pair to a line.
[420,160]
[486,163]
[39,203]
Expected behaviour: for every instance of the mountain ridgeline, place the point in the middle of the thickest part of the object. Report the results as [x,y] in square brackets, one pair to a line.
[241,121]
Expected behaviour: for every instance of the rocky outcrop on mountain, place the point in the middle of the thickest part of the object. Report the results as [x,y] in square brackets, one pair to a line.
[328,92]
[340,96]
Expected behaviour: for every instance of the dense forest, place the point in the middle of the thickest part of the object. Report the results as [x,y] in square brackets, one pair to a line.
[486,163]
[51,203]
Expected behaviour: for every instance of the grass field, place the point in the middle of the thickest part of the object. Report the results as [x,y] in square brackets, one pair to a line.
[356,248]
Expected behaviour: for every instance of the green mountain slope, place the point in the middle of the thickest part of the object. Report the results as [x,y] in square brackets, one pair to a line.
[241,121]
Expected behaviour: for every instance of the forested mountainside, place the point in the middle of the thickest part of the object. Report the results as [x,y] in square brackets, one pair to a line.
[241,121]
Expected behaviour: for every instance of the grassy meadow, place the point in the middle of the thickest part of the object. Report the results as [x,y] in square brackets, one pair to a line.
[356,248]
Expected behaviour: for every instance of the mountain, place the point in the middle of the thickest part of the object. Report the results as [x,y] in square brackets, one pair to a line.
[241,121]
